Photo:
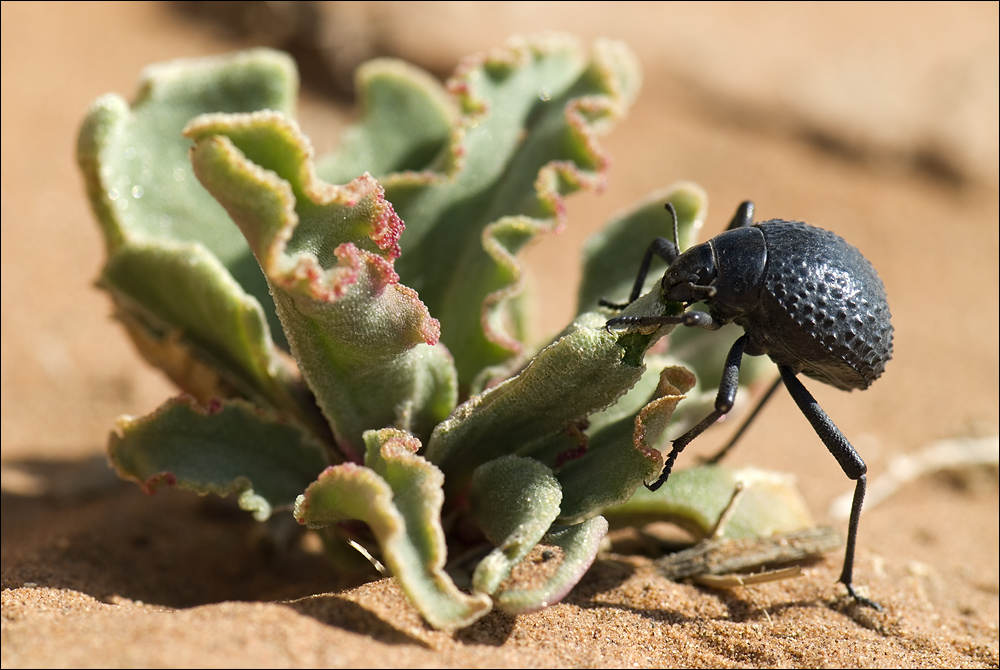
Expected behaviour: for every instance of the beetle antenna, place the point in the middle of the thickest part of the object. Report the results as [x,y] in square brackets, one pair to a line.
[673,215]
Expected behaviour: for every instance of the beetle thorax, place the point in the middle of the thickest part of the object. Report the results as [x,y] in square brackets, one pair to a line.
[726,273]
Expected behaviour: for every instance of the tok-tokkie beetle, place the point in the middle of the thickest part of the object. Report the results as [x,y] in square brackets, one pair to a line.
[805,298]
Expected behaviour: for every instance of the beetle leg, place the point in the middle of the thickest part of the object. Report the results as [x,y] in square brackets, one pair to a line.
[746,424]
[850,462]
[743,216]
[692,319]
[660,246]
[723,403]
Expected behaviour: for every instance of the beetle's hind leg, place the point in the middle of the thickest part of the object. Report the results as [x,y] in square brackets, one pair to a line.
[850,462]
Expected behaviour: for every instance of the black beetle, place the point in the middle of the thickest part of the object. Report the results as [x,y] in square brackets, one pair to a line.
[805,298]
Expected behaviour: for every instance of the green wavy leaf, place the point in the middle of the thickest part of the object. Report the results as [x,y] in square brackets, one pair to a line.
[162,229]
[224,448]
[515,500]
[624,454]
[545,583]
[694,499]
[538,412]
[398,494]
[526,138]
[363,341]
[406,122]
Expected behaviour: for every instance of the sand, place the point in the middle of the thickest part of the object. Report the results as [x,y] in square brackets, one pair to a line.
[879,121]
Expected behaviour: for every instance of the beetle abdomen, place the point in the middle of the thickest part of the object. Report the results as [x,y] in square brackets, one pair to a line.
[842,334]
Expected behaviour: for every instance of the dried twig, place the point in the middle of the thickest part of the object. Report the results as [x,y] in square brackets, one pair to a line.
[725,556]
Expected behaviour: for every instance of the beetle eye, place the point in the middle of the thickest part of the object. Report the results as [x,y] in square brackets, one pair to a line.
[689,279]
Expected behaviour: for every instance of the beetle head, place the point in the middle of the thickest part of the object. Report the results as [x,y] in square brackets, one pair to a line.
[690,278]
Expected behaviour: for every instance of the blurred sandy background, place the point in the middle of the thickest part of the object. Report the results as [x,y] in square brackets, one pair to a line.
[879,121]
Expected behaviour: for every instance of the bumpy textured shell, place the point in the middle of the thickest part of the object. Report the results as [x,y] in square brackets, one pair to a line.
[823,309]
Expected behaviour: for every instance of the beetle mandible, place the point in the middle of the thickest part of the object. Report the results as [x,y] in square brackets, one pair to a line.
[805,298]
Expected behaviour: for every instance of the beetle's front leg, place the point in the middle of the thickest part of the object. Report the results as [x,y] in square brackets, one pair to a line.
[724,402]
[661,247]
[692,319]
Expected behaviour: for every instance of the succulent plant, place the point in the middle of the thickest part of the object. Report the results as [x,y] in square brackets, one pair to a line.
[340,369]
